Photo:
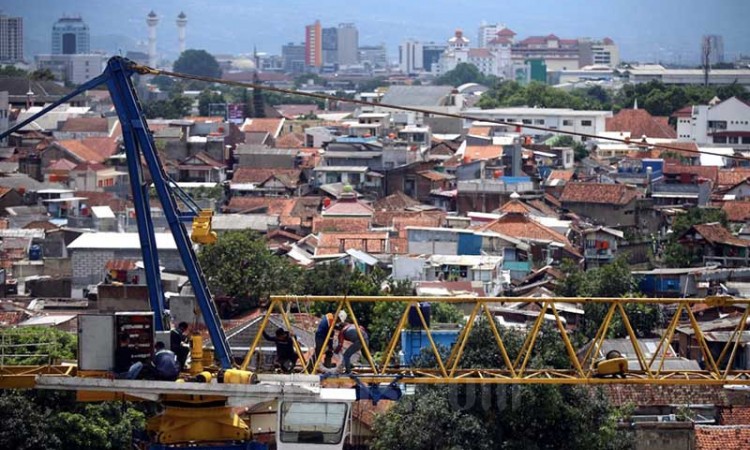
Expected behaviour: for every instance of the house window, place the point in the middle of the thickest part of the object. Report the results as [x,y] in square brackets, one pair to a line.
[567,123]
[101,183]
[734,140]
[746,140]
[539,121]
[585,123]
[527,121]
[720,139]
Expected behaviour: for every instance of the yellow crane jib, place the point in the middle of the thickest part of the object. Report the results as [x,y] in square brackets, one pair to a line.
[202,233]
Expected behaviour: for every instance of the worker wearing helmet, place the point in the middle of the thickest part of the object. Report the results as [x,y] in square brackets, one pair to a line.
[326,323]
[348,332]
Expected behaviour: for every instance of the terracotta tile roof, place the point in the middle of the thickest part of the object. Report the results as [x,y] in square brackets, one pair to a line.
[732,437]
[475,152]
[685,149]
[714,233]
[542,207]
[479,131]
[79,150]
[293,111]
[267,205]
[395,202]
[86,124]
[104,146]
[341,224]
[291,140]
[434,175]
[479,53]
[45,225]
[707,172]
[737,211]
[506,32]
[419,219]
[64,165]
[552,200]
[558,174]
[613,194]
[515,206]
[348,206]
[520,226]
[390,218]
[683,112]
[640,123]
[289,177]
[333,243]
[734,415]
[664,395]
[205,158]
[94,198]
[729,178]
[270,126]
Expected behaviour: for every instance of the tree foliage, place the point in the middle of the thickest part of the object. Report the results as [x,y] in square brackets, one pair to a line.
[197,62]
[206,98]
[499,416]
[12,71]
[176,107]
[677,255]
[465,73]
[240,265]
[39,345]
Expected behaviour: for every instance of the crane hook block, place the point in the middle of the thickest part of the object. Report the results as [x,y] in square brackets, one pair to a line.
[202,233]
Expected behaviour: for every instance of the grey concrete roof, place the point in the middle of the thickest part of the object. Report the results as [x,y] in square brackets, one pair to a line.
[417,95]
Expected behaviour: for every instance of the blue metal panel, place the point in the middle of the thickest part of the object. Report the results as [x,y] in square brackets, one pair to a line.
[413,341]
[469,244]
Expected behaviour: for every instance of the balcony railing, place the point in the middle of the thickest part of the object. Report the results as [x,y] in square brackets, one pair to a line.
[494,186]
[592,253]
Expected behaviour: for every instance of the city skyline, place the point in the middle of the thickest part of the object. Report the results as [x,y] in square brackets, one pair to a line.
[228,28]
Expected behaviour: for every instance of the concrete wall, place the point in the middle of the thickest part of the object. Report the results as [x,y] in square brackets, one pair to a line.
[605,214]
[664,436]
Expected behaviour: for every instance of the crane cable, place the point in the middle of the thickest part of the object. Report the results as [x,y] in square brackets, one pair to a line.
[145,70]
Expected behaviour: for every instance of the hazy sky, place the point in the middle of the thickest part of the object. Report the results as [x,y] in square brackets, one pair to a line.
[668,30]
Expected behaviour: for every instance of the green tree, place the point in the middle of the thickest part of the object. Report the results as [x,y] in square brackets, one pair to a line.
[463,73]
[12,71]
[42,75]
[240,265]
[499,416]
[39,345]
[677,255]
[176,107]
[197,62]
[206,98]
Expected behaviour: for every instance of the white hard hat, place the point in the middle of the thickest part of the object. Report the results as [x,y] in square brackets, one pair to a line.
[342,316]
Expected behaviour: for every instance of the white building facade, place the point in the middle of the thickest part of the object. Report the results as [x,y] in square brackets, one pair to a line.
[722,124]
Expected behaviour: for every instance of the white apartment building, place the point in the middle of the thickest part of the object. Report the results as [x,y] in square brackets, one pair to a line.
[724,123]
[564,119]
[73,68]
[493,59]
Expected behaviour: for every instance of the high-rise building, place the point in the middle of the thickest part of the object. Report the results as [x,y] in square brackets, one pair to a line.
[376,56]
[487,32]
[330,45]
[714,44]
[410,56]
[348,44]
[75,69]
[313,45]
[293,57]
[431,52]
[11,39]
[70,36]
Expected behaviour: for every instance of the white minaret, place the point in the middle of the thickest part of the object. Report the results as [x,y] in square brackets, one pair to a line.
[181,23]
[152,20]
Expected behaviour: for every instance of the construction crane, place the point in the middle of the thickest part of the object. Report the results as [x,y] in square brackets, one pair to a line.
[313,410]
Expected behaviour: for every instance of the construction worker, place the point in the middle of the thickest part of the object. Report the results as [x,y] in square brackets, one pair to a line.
[178,343]
[165,363]
[286,356]
[125,368]
[325,324]
[348,332]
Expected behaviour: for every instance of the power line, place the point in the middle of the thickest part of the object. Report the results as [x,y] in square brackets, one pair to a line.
[151,71]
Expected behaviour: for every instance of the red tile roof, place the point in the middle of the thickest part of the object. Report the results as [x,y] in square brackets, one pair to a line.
[715,233]
[348,206]
[706,172]
[734,415]
[334,243]
[85,166]
[515,206]
[94,198]
[392,218]
[520,226]
[640,123]
[434,175]
[475,152]
[269,205]
[737,211]
[270,126]
[395,202]
[613,194]
[62,164]
[729,178]
[104,146]
[732,437]
[559,174]
[341,224]
[420,219]
[291,140]
[120,264]
[290,177]
[86,124]
[506,32]
[79,150]
[479,53]
[45,225]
